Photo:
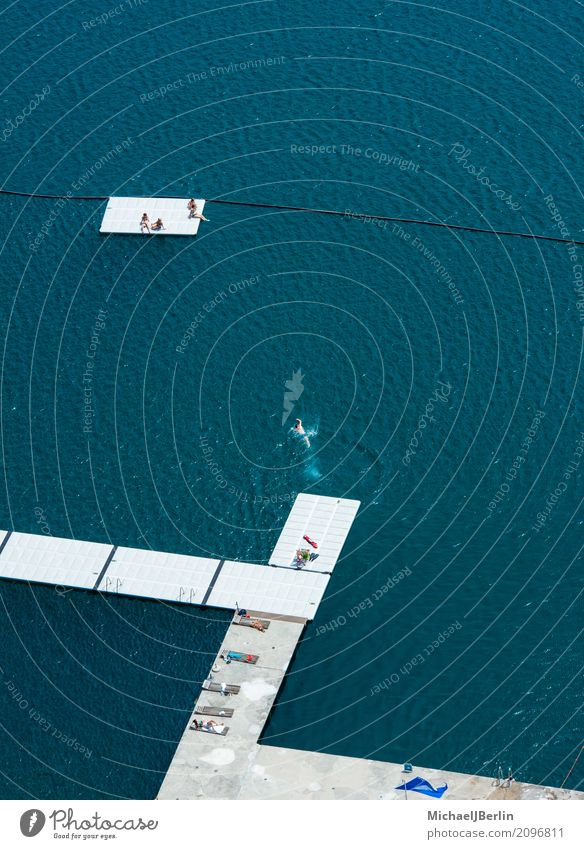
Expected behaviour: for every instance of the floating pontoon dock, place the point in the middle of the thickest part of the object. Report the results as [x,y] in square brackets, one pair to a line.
[123,215]
[236,766]
[326,520]
[193,580]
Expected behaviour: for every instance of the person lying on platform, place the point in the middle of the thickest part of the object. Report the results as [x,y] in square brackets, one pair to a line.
[193,213]
[145,223]
[158,225]
[209,726]
[258,625]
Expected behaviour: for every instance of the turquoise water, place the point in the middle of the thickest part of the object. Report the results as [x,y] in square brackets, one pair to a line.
[96,692]
[441,371]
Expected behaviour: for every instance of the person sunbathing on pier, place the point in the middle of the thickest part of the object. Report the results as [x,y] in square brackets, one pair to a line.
[145,223]
[208,725]
[158,225]
[301,432]
[193,213]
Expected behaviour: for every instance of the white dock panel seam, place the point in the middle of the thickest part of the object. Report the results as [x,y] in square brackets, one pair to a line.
[258,587]
[51,560]
[159,575]
[5,536]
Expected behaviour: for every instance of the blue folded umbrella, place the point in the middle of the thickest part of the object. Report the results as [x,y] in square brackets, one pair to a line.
[420,785]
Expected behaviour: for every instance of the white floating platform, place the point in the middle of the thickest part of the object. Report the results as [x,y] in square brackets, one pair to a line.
[282,591]
[123,215]
[193,580]
[325,520]
[51,560]
[157,574]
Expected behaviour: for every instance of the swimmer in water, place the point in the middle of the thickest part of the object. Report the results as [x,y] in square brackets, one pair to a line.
[301,432]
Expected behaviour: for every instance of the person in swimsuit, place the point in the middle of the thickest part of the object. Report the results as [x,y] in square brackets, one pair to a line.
[301,432]
[145,223]
[158,225]
[192,207]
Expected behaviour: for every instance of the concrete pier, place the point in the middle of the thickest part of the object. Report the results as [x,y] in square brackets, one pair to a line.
[207,766]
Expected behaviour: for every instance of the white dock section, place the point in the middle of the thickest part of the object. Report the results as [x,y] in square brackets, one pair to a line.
[157,574]
[281,591]
[325,520]
[193,580]
[123,215]
[50,560]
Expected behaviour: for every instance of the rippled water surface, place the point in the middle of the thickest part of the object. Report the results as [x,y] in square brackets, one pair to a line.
[441,371]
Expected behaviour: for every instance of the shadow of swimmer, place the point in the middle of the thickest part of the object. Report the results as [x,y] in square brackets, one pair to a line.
[417,660]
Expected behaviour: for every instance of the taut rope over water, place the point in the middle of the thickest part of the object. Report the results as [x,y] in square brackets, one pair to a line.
[414,221]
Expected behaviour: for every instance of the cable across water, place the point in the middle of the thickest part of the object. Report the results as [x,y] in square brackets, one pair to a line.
[354,215]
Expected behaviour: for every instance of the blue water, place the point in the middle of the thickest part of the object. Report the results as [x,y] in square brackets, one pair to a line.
[96,692]
[427,356]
